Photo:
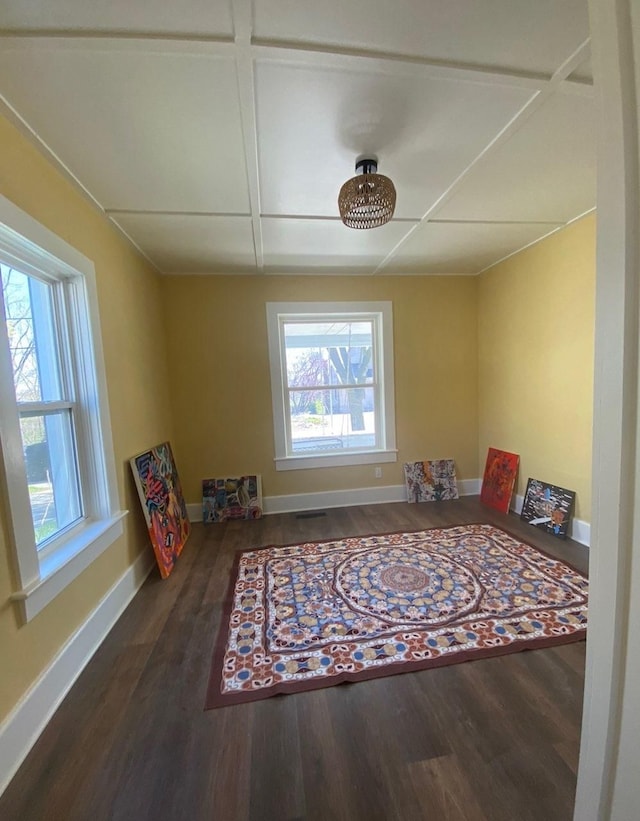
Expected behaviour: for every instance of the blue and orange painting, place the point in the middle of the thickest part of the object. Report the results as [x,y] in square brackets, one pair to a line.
[548,507]
[237,497]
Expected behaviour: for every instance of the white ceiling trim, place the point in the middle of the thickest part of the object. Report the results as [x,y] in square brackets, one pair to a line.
[532,105]
[393,64]
[100,41]
[242,22]
[248,54]
[7,110]
[290,53]
[128,236]
[536,241]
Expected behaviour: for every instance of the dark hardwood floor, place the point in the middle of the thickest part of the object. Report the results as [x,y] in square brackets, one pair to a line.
[488,740]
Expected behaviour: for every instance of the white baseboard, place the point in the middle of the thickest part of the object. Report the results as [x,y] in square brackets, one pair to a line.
[297,502]
[580,530]
[22,727]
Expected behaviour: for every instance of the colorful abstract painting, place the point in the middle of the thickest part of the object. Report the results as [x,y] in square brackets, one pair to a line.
[499,479]
[548,507]
[317,614]
[165,511]
[238,497]
[430,481]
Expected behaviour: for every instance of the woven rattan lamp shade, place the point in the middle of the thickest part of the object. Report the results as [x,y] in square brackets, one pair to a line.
[368,199]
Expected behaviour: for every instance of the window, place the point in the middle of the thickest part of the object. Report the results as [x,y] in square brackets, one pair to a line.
[54,423]
[44,389]
[331,383]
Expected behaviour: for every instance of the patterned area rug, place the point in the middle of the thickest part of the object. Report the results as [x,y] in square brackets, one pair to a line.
[318,614]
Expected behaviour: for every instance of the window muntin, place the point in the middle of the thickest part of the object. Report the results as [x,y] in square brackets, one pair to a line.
[332,383]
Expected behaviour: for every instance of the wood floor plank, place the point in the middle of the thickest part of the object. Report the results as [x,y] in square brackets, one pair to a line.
[489,740]
[451,796]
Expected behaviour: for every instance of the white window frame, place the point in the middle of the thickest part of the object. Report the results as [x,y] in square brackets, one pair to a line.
[381,315]
[42,575]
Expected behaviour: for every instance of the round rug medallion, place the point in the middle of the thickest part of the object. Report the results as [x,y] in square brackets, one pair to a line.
[407,585]
[404,578]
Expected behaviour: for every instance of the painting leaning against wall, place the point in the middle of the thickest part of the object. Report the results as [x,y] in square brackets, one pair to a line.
[430,481]
[236,497]
[548,507]
[499,479]
[165,511]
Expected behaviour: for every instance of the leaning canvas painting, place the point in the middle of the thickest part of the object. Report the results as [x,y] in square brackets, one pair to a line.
[165,511]
[237,497]
[499,479]
[548,507]
[430,481]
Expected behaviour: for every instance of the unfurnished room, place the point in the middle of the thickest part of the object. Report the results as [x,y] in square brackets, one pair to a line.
[319,410]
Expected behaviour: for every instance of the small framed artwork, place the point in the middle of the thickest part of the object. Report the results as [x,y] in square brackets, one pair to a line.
[163,504]
[430,481]
[499,479]
[235,497]
[548,507]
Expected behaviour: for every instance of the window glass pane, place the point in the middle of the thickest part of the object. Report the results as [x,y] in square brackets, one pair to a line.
[50,457]
[329,353]
[28,304]
[332,420]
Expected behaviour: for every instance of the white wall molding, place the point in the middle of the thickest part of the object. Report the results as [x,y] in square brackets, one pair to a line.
[580,531]
[297,502]
[23,726]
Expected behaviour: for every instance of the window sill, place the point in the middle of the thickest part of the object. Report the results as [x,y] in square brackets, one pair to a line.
[61,567]
[330,460]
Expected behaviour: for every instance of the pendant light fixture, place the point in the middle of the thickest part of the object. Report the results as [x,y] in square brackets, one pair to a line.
[367,200]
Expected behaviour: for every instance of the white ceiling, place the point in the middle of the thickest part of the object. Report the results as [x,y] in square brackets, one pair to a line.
[217,133]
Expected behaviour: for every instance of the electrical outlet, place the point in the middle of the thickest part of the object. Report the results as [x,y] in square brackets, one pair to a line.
[378,473]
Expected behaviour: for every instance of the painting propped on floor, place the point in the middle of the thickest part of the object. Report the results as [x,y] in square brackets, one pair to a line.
[165,512]
[431,481]
[499,479]
[548,507]
[236,497]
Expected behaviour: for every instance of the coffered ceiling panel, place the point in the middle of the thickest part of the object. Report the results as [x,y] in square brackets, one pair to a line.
[204,17]
[313,124]
[303,246]
[488,33]
[217,133]
[142,126]
[544,171]
[176,243]
[462,248]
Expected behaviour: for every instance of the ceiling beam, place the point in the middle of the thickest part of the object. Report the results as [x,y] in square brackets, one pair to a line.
[403,65]
[243,25]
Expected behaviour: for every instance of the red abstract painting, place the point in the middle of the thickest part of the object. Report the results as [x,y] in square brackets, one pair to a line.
[499,479]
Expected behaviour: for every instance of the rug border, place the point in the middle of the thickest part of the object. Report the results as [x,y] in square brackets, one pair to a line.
[214,698]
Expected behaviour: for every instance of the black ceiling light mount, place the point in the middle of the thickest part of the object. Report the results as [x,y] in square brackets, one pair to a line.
[367,200]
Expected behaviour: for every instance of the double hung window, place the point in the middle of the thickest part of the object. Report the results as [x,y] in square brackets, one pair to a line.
[54,419]
[35,311]
[332,383]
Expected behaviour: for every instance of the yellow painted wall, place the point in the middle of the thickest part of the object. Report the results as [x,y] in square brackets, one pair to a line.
[536,336]
[220,383]
[131,318]
[504,360]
